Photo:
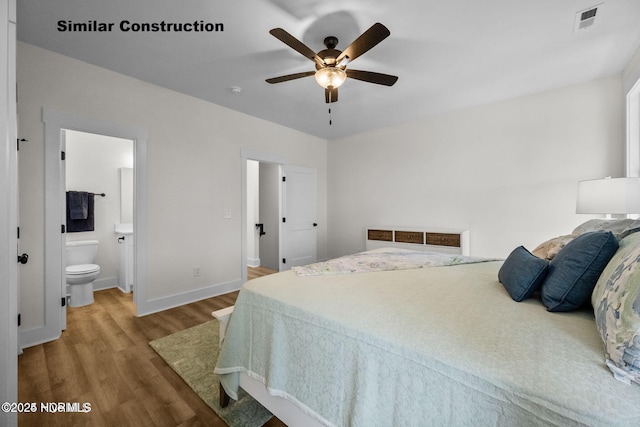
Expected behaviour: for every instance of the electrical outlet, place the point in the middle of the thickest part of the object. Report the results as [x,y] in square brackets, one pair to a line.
[226,214]
[196,271]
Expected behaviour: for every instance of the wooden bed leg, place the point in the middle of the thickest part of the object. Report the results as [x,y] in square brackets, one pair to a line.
[224,397]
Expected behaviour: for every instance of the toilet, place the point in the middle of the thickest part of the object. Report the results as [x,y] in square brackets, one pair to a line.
[81,272]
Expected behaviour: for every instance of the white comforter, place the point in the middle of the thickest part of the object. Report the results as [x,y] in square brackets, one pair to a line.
[429,346]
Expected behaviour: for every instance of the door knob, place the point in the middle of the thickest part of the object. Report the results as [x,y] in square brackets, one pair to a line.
[23,259]
[315,224]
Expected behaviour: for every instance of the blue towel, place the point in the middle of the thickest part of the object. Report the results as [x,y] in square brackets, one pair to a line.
[76,225]
[78,204]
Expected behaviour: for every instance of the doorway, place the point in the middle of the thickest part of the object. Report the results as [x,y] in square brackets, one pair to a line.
[55,122]
[251,159]
[296,207]
[263,212]
[103,165]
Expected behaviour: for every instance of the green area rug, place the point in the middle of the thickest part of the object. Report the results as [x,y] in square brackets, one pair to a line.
[192,353]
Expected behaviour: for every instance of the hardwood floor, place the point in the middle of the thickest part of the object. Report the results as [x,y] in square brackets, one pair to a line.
[103,358]
[254,272]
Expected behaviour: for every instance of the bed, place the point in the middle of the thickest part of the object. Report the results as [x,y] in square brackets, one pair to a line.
[439,344]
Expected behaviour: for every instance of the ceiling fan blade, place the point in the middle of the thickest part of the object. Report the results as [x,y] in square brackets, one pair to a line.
[331,95]
[371,77]
[374,35]
[290,77]
[296,45]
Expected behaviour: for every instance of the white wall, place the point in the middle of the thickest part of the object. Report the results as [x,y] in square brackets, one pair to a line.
[93,164]
[506,171]
[194,170]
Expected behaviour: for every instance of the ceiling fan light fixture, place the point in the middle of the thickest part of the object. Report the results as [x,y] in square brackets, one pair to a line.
[330,77]
[331,63]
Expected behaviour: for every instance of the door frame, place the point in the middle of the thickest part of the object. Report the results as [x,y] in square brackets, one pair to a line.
[54,268]
[8,213]
[262,157]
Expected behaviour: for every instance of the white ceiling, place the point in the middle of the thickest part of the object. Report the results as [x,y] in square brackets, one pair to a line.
[448,54]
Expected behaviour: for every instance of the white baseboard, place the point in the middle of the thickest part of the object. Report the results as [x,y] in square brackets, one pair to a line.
[40,334]
[123,291]
[253,262]
[35,336]
[106,283]
[165,303]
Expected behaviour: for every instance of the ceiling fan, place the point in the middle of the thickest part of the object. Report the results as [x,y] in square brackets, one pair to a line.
[331,63]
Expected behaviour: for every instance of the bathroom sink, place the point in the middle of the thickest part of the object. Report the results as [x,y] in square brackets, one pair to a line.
[124,229]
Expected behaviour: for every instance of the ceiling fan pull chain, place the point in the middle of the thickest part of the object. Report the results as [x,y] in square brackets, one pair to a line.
[329,108]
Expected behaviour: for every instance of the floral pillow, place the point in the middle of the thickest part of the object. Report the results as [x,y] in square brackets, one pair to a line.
[620,227]
[549,249]
[616,302]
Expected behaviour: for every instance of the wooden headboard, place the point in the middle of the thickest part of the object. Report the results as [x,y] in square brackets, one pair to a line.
[418,238]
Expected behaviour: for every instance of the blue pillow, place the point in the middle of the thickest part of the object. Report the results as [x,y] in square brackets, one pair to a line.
[522,273]
[573,273]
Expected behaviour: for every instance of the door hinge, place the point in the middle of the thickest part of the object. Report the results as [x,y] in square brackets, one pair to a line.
[19,319]
[63,301]
[63,228]
[284,260]
[63,155]
[18,233]
[284,179]
[284,219]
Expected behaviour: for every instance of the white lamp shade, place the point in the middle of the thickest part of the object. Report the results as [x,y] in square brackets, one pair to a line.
[609,196]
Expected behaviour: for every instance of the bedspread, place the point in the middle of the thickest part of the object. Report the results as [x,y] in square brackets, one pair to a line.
[365,262]
[430,346]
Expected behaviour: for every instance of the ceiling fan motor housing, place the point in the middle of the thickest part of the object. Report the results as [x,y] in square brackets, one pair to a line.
[328,56]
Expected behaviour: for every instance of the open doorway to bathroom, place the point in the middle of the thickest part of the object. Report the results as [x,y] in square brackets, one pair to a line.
[51,293]
[103,165]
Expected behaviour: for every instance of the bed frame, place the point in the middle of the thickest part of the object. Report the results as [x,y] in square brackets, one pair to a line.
[282,408]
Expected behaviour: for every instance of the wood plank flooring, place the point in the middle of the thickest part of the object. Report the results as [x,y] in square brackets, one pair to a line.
[103,358]
[254,272]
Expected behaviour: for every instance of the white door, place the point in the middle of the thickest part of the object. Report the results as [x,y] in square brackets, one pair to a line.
[300,217]
[8,216]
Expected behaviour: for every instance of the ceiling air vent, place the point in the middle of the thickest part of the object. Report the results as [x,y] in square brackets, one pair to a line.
[587,18]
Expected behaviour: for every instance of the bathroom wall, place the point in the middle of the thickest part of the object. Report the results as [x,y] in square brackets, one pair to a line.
[93,164]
